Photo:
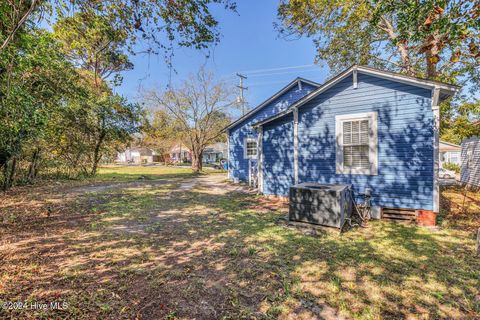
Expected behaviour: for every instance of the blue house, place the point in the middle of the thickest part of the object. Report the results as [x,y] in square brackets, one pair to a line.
[365,127]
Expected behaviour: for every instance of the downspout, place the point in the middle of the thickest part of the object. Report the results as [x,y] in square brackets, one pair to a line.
[295,145]
[228,154]
[260,159]
[436,142]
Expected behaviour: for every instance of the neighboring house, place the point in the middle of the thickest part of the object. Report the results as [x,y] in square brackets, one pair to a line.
[470,169]
[214,152]
[365,127]
[449,153]
[137,155]
[179,153]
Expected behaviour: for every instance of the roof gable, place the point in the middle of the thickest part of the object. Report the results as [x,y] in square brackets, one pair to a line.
[296,82]
[446,90]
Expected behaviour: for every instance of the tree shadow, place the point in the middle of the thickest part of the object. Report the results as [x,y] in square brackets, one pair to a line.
[199,254]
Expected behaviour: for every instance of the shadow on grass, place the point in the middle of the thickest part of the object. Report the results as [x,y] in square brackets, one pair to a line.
[163,252]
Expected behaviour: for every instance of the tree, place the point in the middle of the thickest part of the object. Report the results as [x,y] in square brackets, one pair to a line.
[158,23]
[95,44]
[32,86]
[460,122]
[198,109]
[429,38]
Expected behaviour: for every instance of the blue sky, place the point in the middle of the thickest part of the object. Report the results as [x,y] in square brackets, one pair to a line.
[249,44]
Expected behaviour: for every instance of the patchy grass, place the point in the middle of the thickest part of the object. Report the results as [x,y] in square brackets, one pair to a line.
[207,251]
[460,208]
[127,173]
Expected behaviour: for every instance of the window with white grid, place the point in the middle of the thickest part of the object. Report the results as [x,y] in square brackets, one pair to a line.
[357,143]
[250,148]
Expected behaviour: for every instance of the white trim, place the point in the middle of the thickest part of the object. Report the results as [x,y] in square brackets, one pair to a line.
[436,148]
[228,155]
[355,78]
[295,145]
[373,143]
[260,159]
[245,156]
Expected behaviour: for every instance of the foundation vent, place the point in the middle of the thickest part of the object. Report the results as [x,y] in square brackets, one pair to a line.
[399,215]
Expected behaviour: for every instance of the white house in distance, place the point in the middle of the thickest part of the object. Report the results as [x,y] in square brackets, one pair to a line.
[137,155]
[449,153]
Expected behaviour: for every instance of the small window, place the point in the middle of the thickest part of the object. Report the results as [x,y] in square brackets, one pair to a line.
[250,148]
[357,147]
[454,157]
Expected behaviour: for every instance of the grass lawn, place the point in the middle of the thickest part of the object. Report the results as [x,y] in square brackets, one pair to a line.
[179,246]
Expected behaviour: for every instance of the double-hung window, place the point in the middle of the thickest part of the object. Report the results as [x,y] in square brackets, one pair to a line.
[357,143]
[250,148]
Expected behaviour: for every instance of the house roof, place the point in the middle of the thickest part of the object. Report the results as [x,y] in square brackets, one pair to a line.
[447,146]
[269,100]
[446,90]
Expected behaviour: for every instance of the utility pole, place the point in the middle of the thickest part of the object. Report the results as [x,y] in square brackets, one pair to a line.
[241,87]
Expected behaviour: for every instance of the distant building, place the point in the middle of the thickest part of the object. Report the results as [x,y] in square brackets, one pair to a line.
[137,155]
[470,173]
[449,153]
[214,152]
[179,153]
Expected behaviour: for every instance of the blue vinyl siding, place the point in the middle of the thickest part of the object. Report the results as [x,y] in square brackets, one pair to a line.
[278,156]
[405,141]
[238,165]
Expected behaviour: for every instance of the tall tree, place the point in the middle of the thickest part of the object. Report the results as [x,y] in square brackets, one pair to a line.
[199,108]
[94,43]
[429,38]
[33,86]
[159,24]
[96,46]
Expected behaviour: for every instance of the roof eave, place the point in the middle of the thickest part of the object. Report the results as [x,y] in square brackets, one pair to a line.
[290,85]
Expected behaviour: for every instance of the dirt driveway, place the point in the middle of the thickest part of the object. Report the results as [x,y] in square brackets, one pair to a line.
[188,247]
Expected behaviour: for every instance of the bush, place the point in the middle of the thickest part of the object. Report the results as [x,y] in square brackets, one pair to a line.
[451,166]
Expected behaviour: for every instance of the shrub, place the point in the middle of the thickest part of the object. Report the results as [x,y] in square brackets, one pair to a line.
[451,166]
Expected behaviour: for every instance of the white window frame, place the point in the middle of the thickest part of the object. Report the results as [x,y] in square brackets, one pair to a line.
[372,117]
[245,155]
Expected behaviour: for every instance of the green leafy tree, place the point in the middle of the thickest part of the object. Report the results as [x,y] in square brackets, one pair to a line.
[434,39]
[460,121]
[158,24]
[95,44]
[32,86]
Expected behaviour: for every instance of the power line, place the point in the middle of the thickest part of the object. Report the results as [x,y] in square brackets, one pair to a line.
[278,69]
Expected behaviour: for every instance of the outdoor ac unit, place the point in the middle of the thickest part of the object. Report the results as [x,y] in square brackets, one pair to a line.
[322,204]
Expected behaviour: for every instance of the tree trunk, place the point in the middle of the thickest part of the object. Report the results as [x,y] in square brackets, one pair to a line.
[9,174]
[431,65]
[196,160]
[386,26]
[33,168]
[96,154]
